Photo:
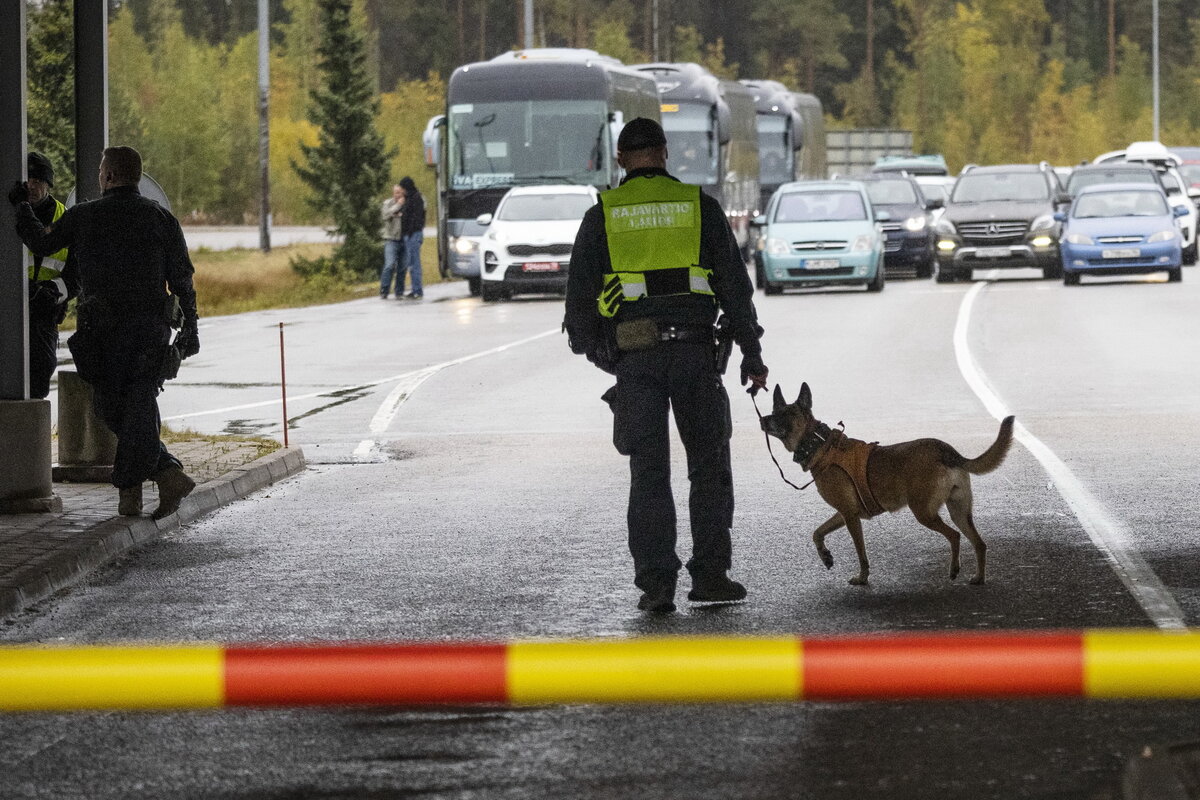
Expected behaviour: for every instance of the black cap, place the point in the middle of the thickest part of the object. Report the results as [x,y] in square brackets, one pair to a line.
[39,168]
[639,134]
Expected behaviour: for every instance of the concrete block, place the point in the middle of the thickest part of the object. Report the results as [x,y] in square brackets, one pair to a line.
[83,440]
[26,482]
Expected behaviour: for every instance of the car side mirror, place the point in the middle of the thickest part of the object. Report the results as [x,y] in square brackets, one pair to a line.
[759,221]
[1060,216]
[484,219]
[883,216]
[1180,211]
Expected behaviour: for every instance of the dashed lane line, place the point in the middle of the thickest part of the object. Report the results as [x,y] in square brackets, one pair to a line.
[1105,531]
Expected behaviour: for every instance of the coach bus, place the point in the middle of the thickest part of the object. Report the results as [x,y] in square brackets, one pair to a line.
[711,138]
[526,117]
[791,136]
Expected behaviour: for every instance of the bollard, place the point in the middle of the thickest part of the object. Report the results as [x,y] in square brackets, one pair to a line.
[86,447]
[1093,664]
[26,485]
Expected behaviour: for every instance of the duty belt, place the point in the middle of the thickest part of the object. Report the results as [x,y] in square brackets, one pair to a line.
[686,333]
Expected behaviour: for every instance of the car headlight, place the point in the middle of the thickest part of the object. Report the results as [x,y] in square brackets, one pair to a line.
[464,246]
[915,224]
[862,243]
[1043,223]
[1079,238]
[945,227]
[1162,236]
[778,247]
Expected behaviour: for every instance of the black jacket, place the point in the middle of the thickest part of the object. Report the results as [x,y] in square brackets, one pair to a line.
[719,252]
[125,250]
[412,219]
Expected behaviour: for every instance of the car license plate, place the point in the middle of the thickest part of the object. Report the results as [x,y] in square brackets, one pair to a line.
[994,252]
[1124,252]
[822,263]
[540,266]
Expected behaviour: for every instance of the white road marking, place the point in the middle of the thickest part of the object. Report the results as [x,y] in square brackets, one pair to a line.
[1106,532]
[367,384]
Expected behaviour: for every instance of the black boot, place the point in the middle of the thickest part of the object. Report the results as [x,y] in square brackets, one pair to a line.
[715,588]
[659,599]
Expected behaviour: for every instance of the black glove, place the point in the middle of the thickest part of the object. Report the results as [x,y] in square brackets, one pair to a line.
[754,371]
[188,340]
[18,194]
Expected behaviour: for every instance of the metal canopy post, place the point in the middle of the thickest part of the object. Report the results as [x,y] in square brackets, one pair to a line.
[91,95]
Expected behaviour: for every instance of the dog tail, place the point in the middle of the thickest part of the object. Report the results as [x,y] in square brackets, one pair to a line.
[994,455]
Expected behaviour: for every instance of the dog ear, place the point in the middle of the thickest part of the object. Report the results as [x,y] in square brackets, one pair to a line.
[805,398]
[778,399]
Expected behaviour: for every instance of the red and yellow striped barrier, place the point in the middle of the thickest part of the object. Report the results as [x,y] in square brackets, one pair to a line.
[1093,664]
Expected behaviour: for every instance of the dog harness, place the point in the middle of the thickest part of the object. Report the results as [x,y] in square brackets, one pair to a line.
[850,456]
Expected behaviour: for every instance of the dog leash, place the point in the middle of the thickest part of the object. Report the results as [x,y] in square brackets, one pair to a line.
[767,436]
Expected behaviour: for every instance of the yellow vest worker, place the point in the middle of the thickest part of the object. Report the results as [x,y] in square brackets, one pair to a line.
[653,265]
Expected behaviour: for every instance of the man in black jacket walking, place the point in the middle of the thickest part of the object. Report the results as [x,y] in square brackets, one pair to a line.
[128,251]
[652,264]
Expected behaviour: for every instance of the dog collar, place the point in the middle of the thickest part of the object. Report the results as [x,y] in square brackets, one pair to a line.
[810,444]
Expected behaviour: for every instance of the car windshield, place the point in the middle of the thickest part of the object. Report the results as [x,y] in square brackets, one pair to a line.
[891,193]
[545,207]
[820,207]
[994,187]
[1120,204]
[1190,173]
[1092,177]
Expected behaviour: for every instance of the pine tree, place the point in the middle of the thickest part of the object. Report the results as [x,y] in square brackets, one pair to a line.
[348,169]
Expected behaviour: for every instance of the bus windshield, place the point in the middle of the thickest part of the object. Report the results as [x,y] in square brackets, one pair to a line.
[774,149]
[691,142]
[529,141]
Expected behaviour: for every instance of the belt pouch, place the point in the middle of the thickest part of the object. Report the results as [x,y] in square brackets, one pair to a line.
[637,334]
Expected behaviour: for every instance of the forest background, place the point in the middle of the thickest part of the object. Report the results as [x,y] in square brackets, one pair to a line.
[984,81]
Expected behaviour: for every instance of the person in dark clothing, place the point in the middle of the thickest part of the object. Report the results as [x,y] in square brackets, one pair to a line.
[653,263]
[412,227]
[48,289]
[127,251]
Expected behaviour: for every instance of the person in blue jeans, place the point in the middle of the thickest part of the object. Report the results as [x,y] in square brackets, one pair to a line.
[412,227]
[394,260]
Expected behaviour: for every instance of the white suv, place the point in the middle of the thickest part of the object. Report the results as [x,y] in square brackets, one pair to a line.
[527,245]
[1179,191]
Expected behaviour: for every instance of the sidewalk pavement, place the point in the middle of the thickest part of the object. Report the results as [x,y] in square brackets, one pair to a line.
[41,554]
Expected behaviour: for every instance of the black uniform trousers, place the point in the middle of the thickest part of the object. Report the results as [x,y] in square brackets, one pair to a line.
[43,348]
[125,397]
[679,377]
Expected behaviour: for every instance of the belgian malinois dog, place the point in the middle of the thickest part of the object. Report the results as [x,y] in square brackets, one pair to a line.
[861,480]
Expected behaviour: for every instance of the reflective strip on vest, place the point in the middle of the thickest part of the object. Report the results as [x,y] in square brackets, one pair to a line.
[652,225]
[51,266]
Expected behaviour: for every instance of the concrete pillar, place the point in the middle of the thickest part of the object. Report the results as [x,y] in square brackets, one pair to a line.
[26,478]
[91,95]
[86,447]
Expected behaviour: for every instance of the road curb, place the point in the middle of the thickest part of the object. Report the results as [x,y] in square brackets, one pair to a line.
[81,552]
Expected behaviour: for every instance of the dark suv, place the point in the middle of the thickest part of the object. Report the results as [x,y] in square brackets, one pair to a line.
[1001,216]
[908,237]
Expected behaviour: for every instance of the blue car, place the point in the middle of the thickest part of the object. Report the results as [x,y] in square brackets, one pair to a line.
[1121,229]
[820,233]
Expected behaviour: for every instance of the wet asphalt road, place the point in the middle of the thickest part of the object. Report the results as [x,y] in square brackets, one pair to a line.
[464,491]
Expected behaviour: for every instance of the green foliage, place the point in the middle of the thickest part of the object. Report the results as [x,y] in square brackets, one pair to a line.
[50,100]
[349,166]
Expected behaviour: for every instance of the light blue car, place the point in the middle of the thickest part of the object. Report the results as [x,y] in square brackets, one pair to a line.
[820,233]
[1121,229]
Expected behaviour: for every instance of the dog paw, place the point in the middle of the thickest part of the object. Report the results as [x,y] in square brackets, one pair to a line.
[977,580]
[953,573]
[826,558]
[858,580]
